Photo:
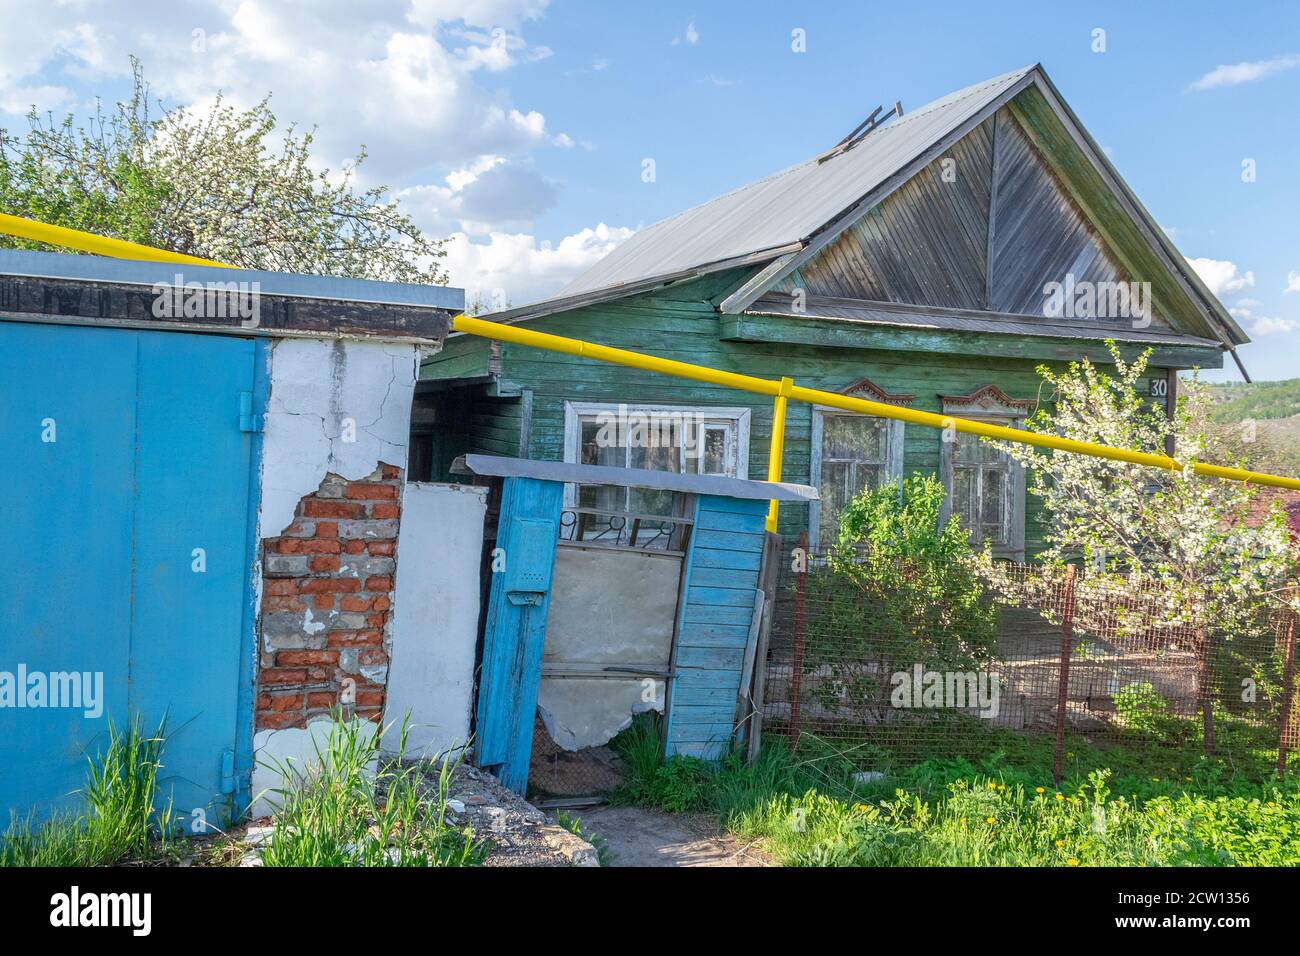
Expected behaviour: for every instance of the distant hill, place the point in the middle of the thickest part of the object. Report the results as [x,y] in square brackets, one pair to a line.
[1273,444]
[1261,401]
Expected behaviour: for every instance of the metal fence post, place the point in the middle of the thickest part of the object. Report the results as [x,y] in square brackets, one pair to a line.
[1063,680]
[800,630]
[1288,692]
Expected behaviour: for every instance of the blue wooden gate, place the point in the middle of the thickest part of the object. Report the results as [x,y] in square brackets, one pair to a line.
[515,631]
[129,511]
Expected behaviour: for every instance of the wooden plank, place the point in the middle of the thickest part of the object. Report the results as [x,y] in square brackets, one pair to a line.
[720,597]
[725,659]
[739,560]
[713,614]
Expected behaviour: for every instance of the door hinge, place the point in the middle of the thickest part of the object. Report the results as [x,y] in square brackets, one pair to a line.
[248,422]
[227,771]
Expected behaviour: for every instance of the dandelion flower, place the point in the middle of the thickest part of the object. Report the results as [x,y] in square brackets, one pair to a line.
[1071,862]
[990,820]
[1040,790]
[1060,796]
[1060,843]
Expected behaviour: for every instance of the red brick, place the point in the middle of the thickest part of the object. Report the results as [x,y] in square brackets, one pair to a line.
[321,546]
[377,620]
[357,603]
[322,698]
[383,549]
[379,582]
[390,471]
[263,701]
[385,509]
[300,658]
[382,603]
[276,602]
[323,602]
[371,491]
[318,674]
[354,547]
[372,655]
[267,720]
[280,586]
[373,714]
[325,562]
[327,529]
[330,585]
[317,508]
[370,698]
[283,675]
[288,545]
[354,638]
[287,702]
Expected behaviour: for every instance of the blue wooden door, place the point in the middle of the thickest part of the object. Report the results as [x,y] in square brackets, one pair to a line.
[129,509]
[515,631]
[714,620]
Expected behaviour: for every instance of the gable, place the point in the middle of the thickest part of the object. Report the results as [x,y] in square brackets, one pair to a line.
[985,226]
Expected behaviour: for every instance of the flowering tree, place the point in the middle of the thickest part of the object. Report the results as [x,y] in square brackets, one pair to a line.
[212,184]
[1179,539]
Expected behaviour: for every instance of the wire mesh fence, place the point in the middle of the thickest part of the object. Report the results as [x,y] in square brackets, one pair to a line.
[1078,661]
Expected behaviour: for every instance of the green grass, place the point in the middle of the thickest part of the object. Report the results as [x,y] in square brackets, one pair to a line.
[1155,801]
[350,808]
[120,821]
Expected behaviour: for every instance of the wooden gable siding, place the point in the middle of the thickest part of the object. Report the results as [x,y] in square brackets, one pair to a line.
[985,226]
[685,327]
[926,244]
[1038,234]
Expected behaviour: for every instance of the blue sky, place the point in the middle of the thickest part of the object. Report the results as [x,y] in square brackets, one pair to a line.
[519,127]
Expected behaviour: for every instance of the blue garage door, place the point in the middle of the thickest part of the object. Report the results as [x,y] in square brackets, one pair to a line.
[127,517]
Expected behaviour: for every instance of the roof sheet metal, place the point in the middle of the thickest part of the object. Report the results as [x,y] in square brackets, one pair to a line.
[56,265]
[791,205]
[816,307]
[495,465]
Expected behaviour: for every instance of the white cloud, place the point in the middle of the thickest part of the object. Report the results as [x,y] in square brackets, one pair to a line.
[477,13]
[690,37]
[516,268]
[394,75]
[1292,282]
[1248,72]
[1270,326]
[1221,276]
[1260,324]
[491,194]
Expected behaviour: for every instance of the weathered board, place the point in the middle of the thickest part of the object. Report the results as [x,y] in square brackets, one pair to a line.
[714,625]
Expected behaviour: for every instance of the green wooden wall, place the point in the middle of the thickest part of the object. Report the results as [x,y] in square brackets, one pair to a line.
[683,324]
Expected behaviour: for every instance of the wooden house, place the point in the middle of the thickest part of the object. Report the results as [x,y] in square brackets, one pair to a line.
[933,260]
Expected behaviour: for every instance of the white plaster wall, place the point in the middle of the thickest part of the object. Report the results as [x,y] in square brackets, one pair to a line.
[435,616]
[336,406]
[323,393]
[287,756]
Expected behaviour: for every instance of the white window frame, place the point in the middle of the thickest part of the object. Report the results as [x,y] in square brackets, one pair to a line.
[736,415]
[891,466]
[991,405]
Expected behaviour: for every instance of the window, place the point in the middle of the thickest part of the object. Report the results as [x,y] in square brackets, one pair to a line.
[850,454]
[986,487]
[684,439]
[981,486]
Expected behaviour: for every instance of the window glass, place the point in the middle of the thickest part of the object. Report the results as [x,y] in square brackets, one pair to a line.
[853,456]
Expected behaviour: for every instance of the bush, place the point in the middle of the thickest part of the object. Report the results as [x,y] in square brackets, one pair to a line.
[900,589]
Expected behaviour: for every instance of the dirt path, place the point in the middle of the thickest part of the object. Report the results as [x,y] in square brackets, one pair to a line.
[639,837]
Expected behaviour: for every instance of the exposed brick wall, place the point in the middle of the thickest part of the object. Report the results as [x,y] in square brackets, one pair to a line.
[327,585]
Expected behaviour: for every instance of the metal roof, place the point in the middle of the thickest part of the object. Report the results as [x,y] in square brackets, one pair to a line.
[791,205]
[633,478]
[56,265]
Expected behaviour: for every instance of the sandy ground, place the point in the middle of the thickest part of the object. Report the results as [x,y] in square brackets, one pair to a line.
[640,837]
